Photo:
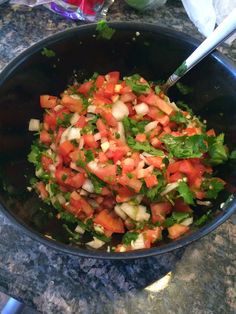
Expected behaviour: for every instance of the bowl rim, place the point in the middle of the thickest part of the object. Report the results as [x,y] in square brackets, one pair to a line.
[65,248]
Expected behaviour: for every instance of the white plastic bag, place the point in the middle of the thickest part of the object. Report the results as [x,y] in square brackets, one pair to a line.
[206,14]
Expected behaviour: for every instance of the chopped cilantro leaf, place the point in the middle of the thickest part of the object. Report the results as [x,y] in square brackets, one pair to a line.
[232,155]
[203,219]
[145,146]
[185,192]
[101,237]
[179,118]
[64,177]
[98,184]
[80,163]
[184,89]
[129,175]
[185,146]
[212,187]
[184,106]
[129,237]
[137,87]
[157,89]
[48,53]
[180,216]
[89,155]
[65,121]
[104,30]
[217,150]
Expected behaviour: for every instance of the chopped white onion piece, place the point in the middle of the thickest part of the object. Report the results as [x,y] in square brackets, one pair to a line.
[204,203]
[114,98]
[97,137]
[121,131]
[61,199]
[70,133]
[105,146]
[91,109]
[79,229]
[88,186]
[52,168]
[58,107]
[120,110]
[150,126]
[75,96]
[74,119]
[98,228]
[93,165]
[118,88]
[141,109]
[187,221]
[139,243]
[120,212]
[83,192]
[34,125]
[135,212]
[170,187]
[96,243]
[81,143]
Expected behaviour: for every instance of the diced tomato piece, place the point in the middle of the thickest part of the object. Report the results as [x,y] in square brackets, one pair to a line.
[89,141]
[155,132]
[177,230]
[109,222]
[156,142]
[80,204]
[76,155]
[85,87]
[46,162]
[100,100]
[58,135]
[45,137]
[130,106]
[124,194]
[118,154]
[175,177]
[181,206]
[50,120]
[43,193]
[133,183]
[155,161]
[74,105]
[110,119]
[152,235]
[81,123]
[167,129]
[76,181]
[151,181]
[99,81]
[109,89]
[109,202]
[102,128]
[211,132]
[164,120]
[127,165]
[192,131]
[200,195]
[150,99]
[153,113]
[128,97]
[160,210]
[164,106]
[107,173]
[61,174]
[47,101]
[141,137]
[102,157]
[113,77]
[65,148]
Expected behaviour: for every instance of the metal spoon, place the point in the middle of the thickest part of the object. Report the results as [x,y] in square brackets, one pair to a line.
[220,34]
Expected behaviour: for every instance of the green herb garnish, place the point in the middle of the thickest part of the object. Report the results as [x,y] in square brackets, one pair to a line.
[104,30]
[48,53]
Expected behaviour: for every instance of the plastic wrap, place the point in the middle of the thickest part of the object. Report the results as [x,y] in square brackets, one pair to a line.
[86,10]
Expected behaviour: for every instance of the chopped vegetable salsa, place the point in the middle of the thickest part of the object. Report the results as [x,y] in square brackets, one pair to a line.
[116,155]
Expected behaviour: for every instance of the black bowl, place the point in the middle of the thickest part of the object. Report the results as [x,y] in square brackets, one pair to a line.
[155,53]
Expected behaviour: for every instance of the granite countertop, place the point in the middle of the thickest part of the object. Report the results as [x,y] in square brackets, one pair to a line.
[198,279]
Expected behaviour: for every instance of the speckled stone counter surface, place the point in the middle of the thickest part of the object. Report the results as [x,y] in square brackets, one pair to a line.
[201,278]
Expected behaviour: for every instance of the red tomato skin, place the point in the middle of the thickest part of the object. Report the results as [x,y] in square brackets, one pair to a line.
[45,137]
[151,181]
[113,77]
[47,101]
[105,219]
[85,87]
[46,162]
[160,210]
[102,128]
[99,81]
[89,141]
[65,148]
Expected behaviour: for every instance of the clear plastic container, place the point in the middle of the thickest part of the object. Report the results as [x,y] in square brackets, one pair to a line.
[145,4]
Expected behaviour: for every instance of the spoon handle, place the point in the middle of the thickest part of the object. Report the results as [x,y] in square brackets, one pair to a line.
[220,34]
